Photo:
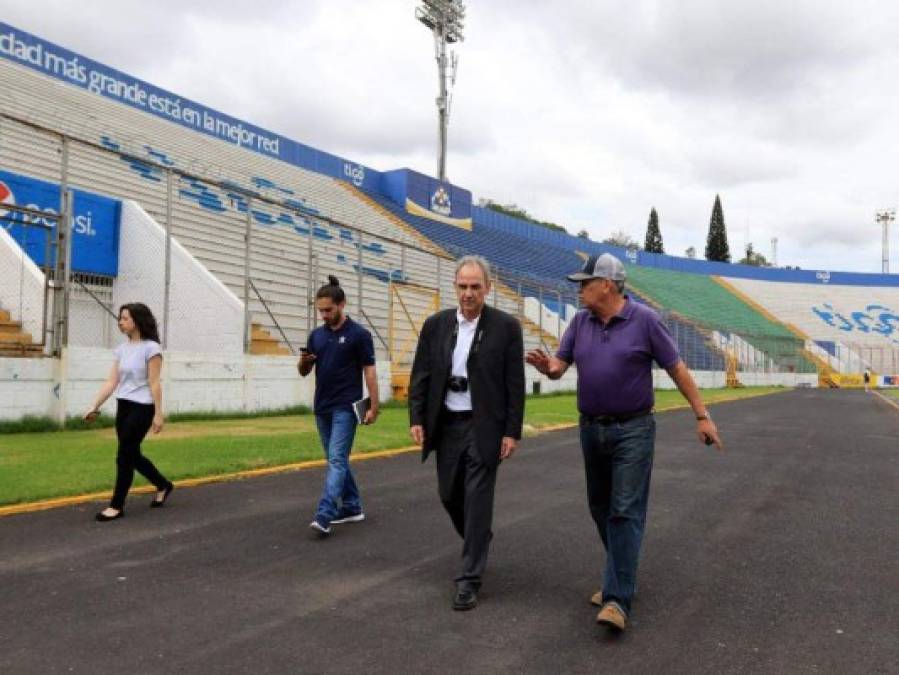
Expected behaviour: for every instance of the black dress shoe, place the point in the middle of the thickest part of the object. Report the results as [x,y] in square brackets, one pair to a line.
[466,597]
[159,503]
[103,518]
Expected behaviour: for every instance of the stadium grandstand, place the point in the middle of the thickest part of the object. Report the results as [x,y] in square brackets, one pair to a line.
[226,230]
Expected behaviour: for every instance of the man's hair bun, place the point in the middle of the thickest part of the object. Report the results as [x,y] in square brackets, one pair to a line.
[332,280]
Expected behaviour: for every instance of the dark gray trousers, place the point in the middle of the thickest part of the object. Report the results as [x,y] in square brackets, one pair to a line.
[466,487]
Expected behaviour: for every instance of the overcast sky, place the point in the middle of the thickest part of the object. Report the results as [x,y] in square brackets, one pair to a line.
[585,113]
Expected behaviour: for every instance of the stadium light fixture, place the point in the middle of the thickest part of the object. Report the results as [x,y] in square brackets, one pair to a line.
[885,217]
[446,21]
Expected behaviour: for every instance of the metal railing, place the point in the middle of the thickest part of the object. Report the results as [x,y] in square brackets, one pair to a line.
[369,264]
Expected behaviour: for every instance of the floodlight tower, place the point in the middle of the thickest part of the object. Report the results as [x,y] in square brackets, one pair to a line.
[885,217]
[445,20]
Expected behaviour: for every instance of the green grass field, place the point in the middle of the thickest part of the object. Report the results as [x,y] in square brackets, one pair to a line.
[43,465]
[890,393]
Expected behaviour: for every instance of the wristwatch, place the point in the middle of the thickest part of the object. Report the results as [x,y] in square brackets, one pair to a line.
[707,416]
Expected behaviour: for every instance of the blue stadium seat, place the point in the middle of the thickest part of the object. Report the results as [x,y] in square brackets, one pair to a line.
[531,265]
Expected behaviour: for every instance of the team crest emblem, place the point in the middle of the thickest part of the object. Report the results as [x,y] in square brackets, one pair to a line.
[440,202]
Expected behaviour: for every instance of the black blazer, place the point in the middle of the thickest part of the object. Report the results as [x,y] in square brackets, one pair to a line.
[495,379]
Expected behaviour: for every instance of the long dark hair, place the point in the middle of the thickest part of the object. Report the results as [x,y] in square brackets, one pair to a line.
[332,290]
[143,319]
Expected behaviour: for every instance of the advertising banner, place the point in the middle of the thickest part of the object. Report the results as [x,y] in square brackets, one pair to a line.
[428,197]
[95,223]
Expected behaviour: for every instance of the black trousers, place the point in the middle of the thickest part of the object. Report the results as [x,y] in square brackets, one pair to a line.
[466,487]
[132,422]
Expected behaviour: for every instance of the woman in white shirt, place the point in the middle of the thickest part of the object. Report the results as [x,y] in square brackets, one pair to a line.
[134,379]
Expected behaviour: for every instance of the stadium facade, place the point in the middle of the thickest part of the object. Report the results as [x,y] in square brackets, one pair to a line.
[225,229]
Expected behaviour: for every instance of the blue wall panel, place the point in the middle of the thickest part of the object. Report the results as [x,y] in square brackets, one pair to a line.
[95,244]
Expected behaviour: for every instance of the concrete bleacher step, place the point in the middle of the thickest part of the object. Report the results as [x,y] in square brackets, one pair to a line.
[14,341]
[546,339]
[263,342]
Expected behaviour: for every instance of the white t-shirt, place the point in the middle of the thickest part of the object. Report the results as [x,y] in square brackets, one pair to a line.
[132,358]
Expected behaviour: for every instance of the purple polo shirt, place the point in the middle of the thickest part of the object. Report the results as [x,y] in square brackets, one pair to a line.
[614,361]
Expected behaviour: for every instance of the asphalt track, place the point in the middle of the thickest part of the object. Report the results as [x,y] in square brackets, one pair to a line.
[778,556]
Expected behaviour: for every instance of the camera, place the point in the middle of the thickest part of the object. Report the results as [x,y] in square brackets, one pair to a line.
[457,383]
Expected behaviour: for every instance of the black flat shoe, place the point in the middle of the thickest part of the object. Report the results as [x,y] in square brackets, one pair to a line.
[103,518]
[466,598]
[159,503]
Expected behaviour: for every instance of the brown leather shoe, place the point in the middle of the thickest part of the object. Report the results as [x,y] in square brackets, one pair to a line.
[596,598]
[611,615]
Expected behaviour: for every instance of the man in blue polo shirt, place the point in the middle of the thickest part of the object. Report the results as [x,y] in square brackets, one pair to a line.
[613,342]
[342,352]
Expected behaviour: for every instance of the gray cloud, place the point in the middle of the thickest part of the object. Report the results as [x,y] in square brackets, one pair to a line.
[586,113]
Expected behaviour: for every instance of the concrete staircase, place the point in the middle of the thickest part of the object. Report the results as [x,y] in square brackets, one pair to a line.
[263,342]
[14,341]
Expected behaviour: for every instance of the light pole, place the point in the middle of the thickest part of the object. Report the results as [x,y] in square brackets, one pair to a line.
[445,19]
[885,217]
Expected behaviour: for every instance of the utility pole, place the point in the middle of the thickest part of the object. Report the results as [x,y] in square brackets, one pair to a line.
[885,217]
[445,19]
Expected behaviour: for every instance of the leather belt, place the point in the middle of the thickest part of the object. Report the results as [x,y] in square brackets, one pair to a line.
[606,420]
[457,415]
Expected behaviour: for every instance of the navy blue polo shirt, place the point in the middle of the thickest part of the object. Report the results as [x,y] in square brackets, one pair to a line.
[340,356]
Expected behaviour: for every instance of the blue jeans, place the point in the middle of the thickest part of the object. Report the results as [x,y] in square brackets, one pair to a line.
[618,463]
[337,430]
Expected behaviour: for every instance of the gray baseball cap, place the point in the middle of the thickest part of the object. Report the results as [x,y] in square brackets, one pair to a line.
[605,266]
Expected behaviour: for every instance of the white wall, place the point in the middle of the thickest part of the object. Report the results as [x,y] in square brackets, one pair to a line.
[21,286]
[715,379]
[235,382]
[27,387]
[205,316]
[191,382]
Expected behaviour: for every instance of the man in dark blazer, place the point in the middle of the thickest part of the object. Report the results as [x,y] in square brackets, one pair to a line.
[466,403]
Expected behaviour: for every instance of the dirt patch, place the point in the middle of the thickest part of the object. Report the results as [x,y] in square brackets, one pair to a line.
[262,426]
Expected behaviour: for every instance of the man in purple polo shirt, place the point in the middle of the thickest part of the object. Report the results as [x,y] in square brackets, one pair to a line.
[613,342]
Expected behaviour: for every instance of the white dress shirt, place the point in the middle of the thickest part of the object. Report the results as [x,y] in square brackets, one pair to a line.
[456,400]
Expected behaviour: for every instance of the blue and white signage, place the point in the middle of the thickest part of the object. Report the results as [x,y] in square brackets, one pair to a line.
[95,223]
[58,62]
[428,197]
[872,320]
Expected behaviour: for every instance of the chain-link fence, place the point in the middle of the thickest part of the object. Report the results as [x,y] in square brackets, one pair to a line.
[227,266]
[25,286]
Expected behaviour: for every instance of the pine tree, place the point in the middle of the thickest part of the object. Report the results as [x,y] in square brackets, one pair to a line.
[716,247]
[653,242]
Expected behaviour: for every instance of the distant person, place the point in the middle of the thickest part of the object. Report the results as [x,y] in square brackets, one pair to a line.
[613,342]
[134,379]
[867,378]
[342,353]
[466,403]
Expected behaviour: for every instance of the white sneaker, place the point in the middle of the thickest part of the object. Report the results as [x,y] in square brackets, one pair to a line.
[353,518]
[318,527]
